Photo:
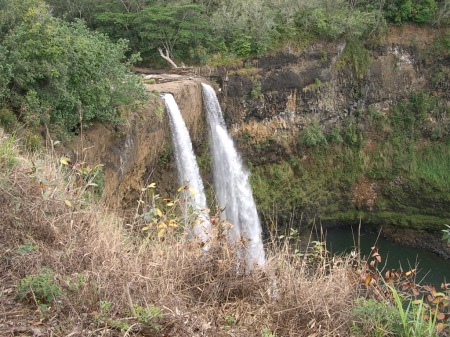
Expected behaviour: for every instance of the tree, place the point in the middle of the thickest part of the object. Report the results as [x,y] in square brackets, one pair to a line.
[418,11]
[75,9]
[335,19]
[177,28]
[62,71]
[247,27]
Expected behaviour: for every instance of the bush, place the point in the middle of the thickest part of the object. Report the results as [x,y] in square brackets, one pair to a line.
[32,141]
[352,135]
[336,19]
[41,288]
[373,318]
[335,135]
[256,90]
[356,57]
[8,120]
[418,11]
[7,152]
[312,135]
[410,117]
[64,74]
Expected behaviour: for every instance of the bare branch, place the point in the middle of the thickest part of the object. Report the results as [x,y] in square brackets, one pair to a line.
[167,57]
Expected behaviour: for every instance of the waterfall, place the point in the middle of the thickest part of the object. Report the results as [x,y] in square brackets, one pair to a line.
[194,206]
[231,184]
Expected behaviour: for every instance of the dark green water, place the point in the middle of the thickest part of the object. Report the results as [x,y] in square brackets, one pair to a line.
[431,268]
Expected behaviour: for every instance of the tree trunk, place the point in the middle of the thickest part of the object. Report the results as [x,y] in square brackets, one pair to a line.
[167,57]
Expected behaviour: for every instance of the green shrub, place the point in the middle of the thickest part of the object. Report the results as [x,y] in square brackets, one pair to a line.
[409,117]
[150,315]
[356,57]
[7,152]
[96,178]
[440,79]
[8,120]
[41,288]
[242,45]
[265,332]
[418,11]
[337,19]
[33,142]
[256,90]
[312,135]
[373,318]
[352,135]
[64,74]
[411,314]
[334,136]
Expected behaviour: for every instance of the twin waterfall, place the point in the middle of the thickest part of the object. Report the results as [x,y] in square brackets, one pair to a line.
[230,180]
[188,173]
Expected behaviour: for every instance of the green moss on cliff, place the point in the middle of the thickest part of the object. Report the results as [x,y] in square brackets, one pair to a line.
[387,170]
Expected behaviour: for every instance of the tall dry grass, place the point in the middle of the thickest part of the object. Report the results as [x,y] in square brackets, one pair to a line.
[198,293]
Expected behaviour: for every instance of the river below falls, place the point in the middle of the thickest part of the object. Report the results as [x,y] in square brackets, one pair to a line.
[431,268]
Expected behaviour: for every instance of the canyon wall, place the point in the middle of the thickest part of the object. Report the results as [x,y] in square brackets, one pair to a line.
[138,151]
[269,101]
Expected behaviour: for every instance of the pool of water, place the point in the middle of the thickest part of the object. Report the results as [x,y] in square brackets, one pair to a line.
[431,268]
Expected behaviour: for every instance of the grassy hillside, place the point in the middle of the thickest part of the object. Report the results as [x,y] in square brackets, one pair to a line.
[70,267]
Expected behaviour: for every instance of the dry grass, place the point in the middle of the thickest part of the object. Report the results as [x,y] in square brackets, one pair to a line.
[198,293]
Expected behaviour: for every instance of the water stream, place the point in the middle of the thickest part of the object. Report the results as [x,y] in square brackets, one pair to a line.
[194,203]
[231,184]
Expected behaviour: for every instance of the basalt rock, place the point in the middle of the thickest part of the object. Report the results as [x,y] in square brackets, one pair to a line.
[269,100]
[138,151]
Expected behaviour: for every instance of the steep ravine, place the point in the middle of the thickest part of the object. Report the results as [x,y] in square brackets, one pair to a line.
[268,102]
[373,168]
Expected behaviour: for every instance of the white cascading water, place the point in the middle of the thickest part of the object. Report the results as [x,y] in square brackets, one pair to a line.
[188,173]
[231,184]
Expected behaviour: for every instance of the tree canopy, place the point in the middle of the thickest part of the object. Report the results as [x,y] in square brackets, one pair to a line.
[190,30]
[58,73]
[180,28]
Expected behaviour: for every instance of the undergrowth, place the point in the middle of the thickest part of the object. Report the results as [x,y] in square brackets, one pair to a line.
[72,267]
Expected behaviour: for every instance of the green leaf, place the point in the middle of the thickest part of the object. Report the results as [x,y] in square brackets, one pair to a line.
[46,195]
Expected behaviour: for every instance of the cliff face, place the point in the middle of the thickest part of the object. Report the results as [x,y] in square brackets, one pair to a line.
[283,91]
[362,172]
[139,152]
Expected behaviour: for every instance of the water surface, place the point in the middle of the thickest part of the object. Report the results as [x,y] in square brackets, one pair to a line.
[431,268]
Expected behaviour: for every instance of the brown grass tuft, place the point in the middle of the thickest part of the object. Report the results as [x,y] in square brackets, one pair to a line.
[109,274]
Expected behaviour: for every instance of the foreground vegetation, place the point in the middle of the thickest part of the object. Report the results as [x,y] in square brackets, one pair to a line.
[69,267]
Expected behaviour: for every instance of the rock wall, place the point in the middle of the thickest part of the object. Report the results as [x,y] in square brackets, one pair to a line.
[285,90]
[268,101]
[139,151]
